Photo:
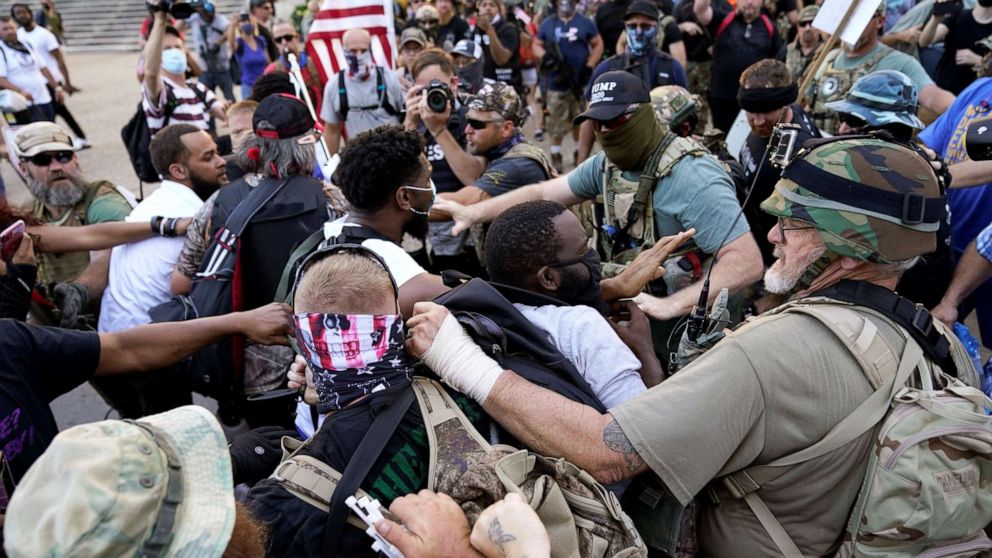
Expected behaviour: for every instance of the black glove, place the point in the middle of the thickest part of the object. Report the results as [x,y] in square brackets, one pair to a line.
[72,299]
[256,453]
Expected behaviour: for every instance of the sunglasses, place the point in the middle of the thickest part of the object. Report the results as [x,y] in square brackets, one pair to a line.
[45,159]
[427,21]
[805,24]
[851,120]
[479,124]
[284,38]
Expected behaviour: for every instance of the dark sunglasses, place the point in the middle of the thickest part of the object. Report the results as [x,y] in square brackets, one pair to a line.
[479,124]
[851,120]
[427,21]
[45,159]
[805,24]
[284,38]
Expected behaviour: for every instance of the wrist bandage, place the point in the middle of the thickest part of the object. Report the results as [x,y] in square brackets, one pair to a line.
[456,358]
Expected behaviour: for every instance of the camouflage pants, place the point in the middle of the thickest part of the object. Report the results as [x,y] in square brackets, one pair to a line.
[698,74]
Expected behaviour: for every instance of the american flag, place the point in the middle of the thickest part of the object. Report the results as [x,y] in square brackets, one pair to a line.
[336,17]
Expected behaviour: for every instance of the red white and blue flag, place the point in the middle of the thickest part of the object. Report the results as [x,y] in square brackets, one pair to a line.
[337,16]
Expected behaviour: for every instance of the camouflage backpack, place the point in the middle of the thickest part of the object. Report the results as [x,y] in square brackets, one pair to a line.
[926,487]
[583,519]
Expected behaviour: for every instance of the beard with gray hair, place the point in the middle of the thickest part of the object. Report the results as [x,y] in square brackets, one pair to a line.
[63,195]
[784,274]
[285,157]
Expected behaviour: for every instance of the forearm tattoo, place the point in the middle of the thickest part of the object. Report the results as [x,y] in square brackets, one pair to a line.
[617,441]
[499,537]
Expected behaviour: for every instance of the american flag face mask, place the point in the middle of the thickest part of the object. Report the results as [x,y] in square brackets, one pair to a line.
[352,355]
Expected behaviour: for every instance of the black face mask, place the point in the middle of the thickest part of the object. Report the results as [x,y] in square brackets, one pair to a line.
[581,289]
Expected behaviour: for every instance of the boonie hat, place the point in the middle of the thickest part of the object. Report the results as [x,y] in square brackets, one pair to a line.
[641,7]
[611,94]
[413,35]
[498,97]
[880,98]
[39,137]
[468,49]
[281,116]
[427,12]
[161,486]
[808,13]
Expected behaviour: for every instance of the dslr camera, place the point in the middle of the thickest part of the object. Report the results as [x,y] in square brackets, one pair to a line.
[438,96]
[978,140]
[175,8]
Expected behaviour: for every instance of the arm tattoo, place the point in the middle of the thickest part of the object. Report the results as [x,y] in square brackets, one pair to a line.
[617,441]
[498,537]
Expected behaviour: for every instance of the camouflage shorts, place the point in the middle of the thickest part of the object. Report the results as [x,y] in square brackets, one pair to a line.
[562,108]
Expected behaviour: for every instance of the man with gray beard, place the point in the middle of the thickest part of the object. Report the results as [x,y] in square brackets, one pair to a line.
[64,197]
[283,151]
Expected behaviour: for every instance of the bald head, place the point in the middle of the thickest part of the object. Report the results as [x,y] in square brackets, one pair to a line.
[356,40]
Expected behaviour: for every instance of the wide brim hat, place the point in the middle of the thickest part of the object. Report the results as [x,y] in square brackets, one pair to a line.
[875,117]
[113,488]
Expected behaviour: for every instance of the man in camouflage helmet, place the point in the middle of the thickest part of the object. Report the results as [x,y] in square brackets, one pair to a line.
[800,52]
[676,109]
[776,385]
[845,65]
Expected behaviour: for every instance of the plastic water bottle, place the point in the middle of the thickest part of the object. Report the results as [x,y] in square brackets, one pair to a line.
[973,347]
[987,378]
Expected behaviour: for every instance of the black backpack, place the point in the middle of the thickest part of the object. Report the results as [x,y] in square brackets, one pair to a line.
[217,370]
[137,137]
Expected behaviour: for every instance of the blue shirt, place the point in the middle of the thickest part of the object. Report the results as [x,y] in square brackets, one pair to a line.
[984,243]
[573,39]
[971,208]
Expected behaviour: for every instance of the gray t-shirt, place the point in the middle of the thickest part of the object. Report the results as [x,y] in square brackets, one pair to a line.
[697,193]
[364,111]
[582,336]
[894,60]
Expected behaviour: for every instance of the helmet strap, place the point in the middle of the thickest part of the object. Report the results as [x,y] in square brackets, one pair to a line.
[814,270]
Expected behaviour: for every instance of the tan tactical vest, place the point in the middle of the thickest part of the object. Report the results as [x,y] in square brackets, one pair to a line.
[56,268]
[619,195]
[831,84]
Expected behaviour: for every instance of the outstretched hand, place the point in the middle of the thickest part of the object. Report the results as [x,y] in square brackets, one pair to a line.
[460,214]
[646,267]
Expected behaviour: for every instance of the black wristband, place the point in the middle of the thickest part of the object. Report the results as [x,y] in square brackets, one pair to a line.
[170,227]
[156,224]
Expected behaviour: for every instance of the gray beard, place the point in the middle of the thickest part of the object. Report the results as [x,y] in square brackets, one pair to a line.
[783,275]
[59,196]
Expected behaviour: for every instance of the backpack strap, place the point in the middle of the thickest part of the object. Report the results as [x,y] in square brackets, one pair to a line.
[343,96]
[768,25]
[308,245]
[727,20]
[744,484]
[380,87]
[358,468]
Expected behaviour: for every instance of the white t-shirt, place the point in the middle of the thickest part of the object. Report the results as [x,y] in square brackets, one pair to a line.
[42,42]
[582,336]
[400,265]
[140,273]
[23,69]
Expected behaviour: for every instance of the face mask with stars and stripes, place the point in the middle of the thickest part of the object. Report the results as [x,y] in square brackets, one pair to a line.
[352,355]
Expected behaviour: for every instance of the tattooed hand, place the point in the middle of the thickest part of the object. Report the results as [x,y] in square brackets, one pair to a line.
[510,529]
[433,527]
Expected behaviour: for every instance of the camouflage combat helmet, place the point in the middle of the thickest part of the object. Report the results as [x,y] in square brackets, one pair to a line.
[880,98]
[495,96]
[673,105]
[869,198]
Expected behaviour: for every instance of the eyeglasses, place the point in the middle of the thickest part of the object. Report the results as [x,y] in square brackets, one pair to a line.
[479,124]
[45,159]
[284,38]
[427,21]
[782,227]
[639,26]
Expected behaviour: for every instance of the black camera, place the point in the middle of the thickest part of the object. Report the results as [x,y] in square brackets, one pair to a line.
[947,8]
[978,141]
[178,10]
[438,96]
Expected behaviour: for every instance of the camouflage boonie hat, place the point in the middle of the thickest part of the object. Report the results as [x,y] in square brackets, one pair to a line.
[808,13]
[673,105]
[870,199]
[880,98]
[495,96]
[161,485]
[985,68]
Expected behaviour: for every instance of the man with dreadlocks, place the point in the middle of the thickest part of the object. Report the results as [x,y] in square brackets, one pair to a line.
[283,151]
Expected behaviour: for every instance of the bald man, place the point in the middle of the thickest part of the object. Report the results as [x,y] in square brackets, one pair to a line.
[361,96]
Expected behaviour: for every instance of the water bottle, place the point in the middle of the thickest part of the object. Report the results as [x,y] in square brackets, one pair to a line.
[987,378]
[974,349]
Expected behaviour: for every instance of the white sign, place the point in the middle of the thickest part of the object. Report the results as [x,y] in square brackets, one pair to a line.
[738,135]
[832,12]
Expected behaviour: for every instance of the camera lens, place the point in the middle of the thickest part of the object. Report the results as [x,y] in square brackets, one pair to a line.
[437,101]
[181,10]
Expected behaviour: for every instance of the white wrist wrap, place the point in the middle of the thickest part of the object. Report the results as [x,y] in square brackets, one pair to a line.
[456,358]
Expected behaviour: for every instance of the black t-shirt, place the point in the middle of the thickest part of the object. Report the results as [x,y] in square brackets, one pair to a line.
[751,153]
[672,35]
[443,176]
[509,36]
[962,32]
[402,468]
[454,31]
[697,46]
[740,45]
[37,365]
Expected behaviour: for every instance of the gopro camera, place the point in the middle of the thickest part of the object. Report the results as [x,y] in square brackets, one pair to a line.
[782,146]
[978,141]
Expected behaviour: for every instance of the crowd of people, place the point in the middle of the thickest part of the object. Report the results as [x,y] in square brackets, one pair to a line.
[431,331]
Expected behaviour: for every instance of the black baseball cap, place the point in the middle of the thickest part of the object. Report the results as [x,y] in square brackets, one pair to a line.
[611,94]
[642,7]
[281,116]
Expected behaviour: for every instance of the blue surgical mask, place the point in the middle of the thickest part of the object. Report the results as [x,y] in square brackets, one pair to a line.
[641,41]
[174,61]
[247,28]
